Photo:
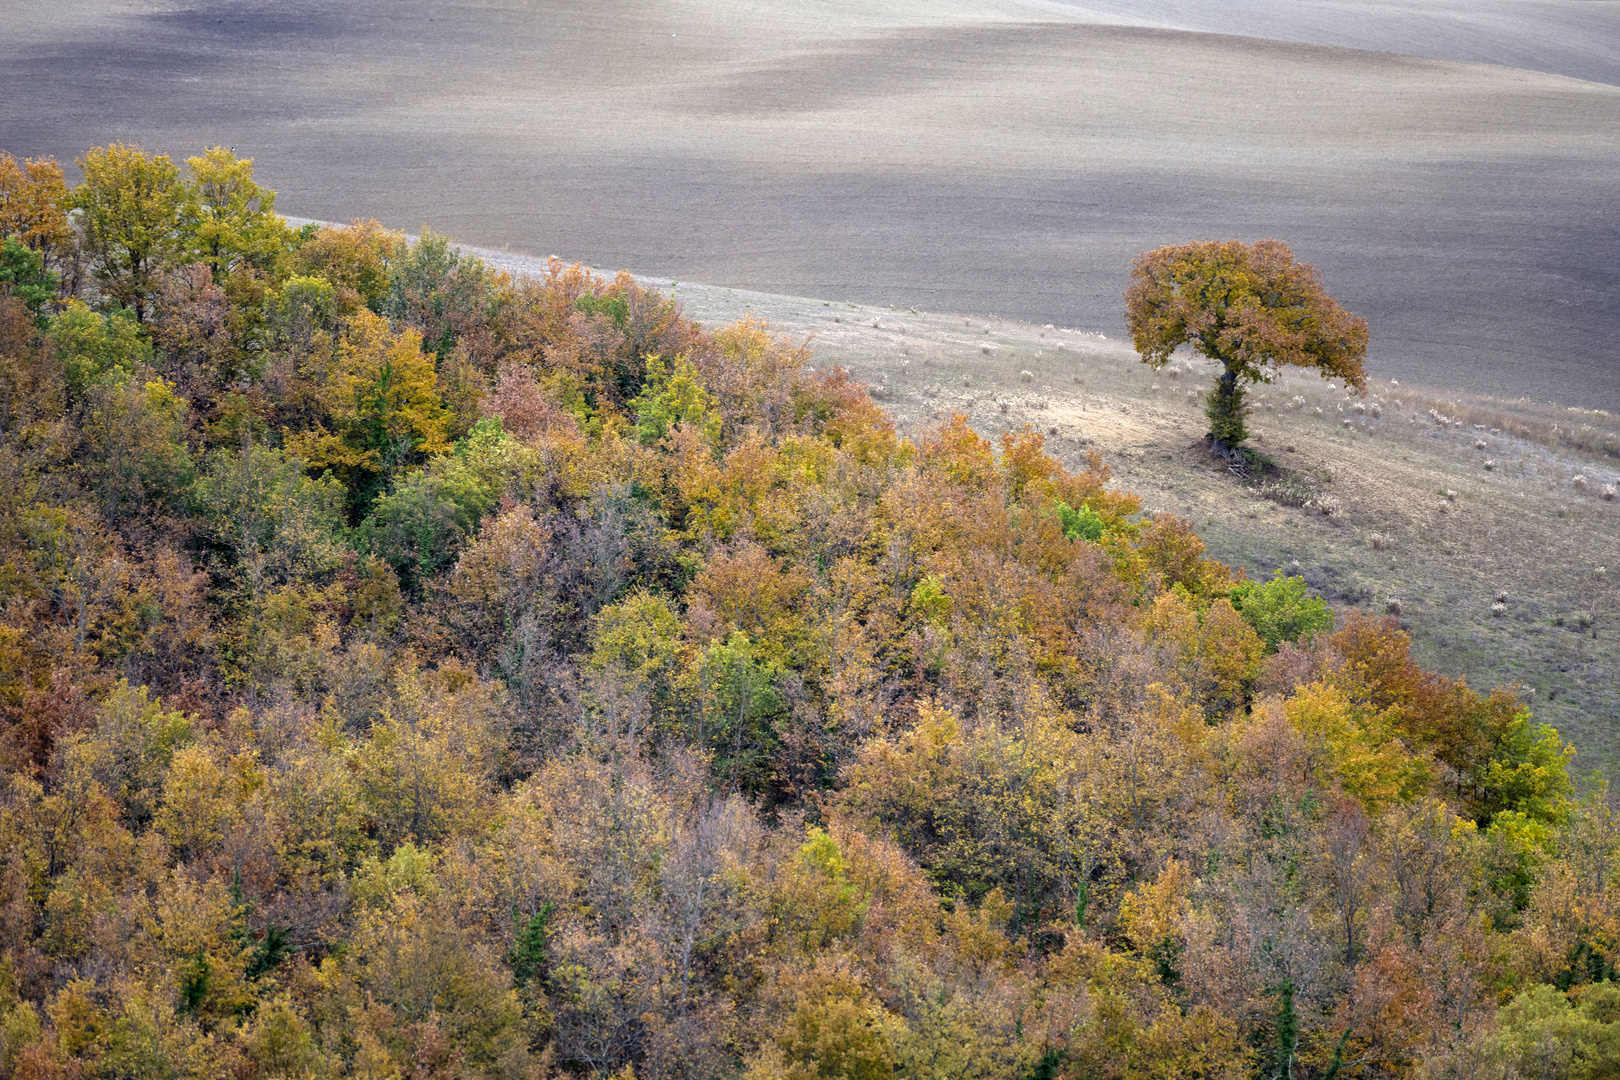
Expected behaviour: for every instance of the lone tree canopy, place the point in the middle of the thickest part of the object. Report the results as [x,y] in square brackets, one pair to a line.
[1249,307]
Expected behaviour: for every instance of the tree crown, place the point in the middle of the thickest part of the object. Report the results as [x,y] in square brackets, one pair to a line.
[1250,306]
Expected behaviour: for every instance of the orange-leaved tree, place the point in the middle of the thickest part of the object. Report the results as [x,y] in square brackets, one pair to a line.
[33,206]
[1249,307]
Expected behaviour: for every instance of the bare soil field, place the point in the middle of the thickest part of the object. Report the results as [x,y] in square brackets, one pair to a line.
[1449,165]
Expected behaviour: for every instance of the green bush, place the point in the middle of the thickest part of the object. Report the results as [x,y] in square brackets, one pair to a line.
[739,711]
[23,275]
[1280,610]
[273,522]
[420,525]
[930,600]
[93,347]
[612,308]
[674,394]
[1540,1033]
[1082,524]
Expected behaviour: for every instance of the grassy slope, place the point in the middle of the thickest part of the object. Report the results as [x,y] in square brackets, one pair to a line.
[1522,530]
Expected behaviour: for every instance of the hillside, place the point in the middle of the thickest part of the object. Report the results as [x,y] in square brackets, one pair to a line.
[410,668]
[1522,533]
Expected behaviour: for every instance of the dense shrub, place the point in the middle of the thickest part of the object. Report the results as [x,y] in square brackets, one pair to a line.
[1280,609]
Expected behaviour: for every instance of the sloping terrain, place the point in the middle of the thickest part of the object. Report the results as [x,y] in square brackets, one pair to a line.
[995,157]
[1448,519]
[1553,36]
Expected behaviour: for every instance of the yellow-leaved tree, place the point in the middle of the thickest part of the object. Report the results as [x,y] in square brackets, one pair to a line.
[132,204]
[33,205]
[381,403]
[231,219]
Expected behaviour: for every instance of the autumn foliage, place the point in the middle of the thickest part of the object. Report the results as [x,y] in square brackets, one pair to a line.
[410,670]
[1250,308]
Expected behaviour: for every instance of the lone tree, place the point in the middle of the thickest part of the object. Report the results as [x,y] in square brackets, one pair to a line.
[1249,307]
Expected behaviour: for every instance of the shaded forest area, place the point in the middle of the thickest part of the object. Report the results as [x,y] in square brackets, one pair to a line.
[407,670]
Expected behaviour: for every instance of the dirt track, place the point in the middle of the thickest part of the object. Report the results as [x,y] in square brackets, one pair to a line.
[984,157]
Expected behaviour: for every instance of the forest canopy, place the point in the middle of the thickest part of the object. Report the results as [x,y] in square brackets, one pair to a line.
[408,669]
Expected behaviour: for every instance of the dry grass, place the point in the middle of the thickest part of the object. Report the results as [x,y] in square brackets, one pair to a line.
[1591,432]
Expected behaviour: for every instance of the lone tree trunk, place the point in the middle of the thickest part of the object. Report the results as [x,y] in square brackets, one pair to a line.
[1225,411]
